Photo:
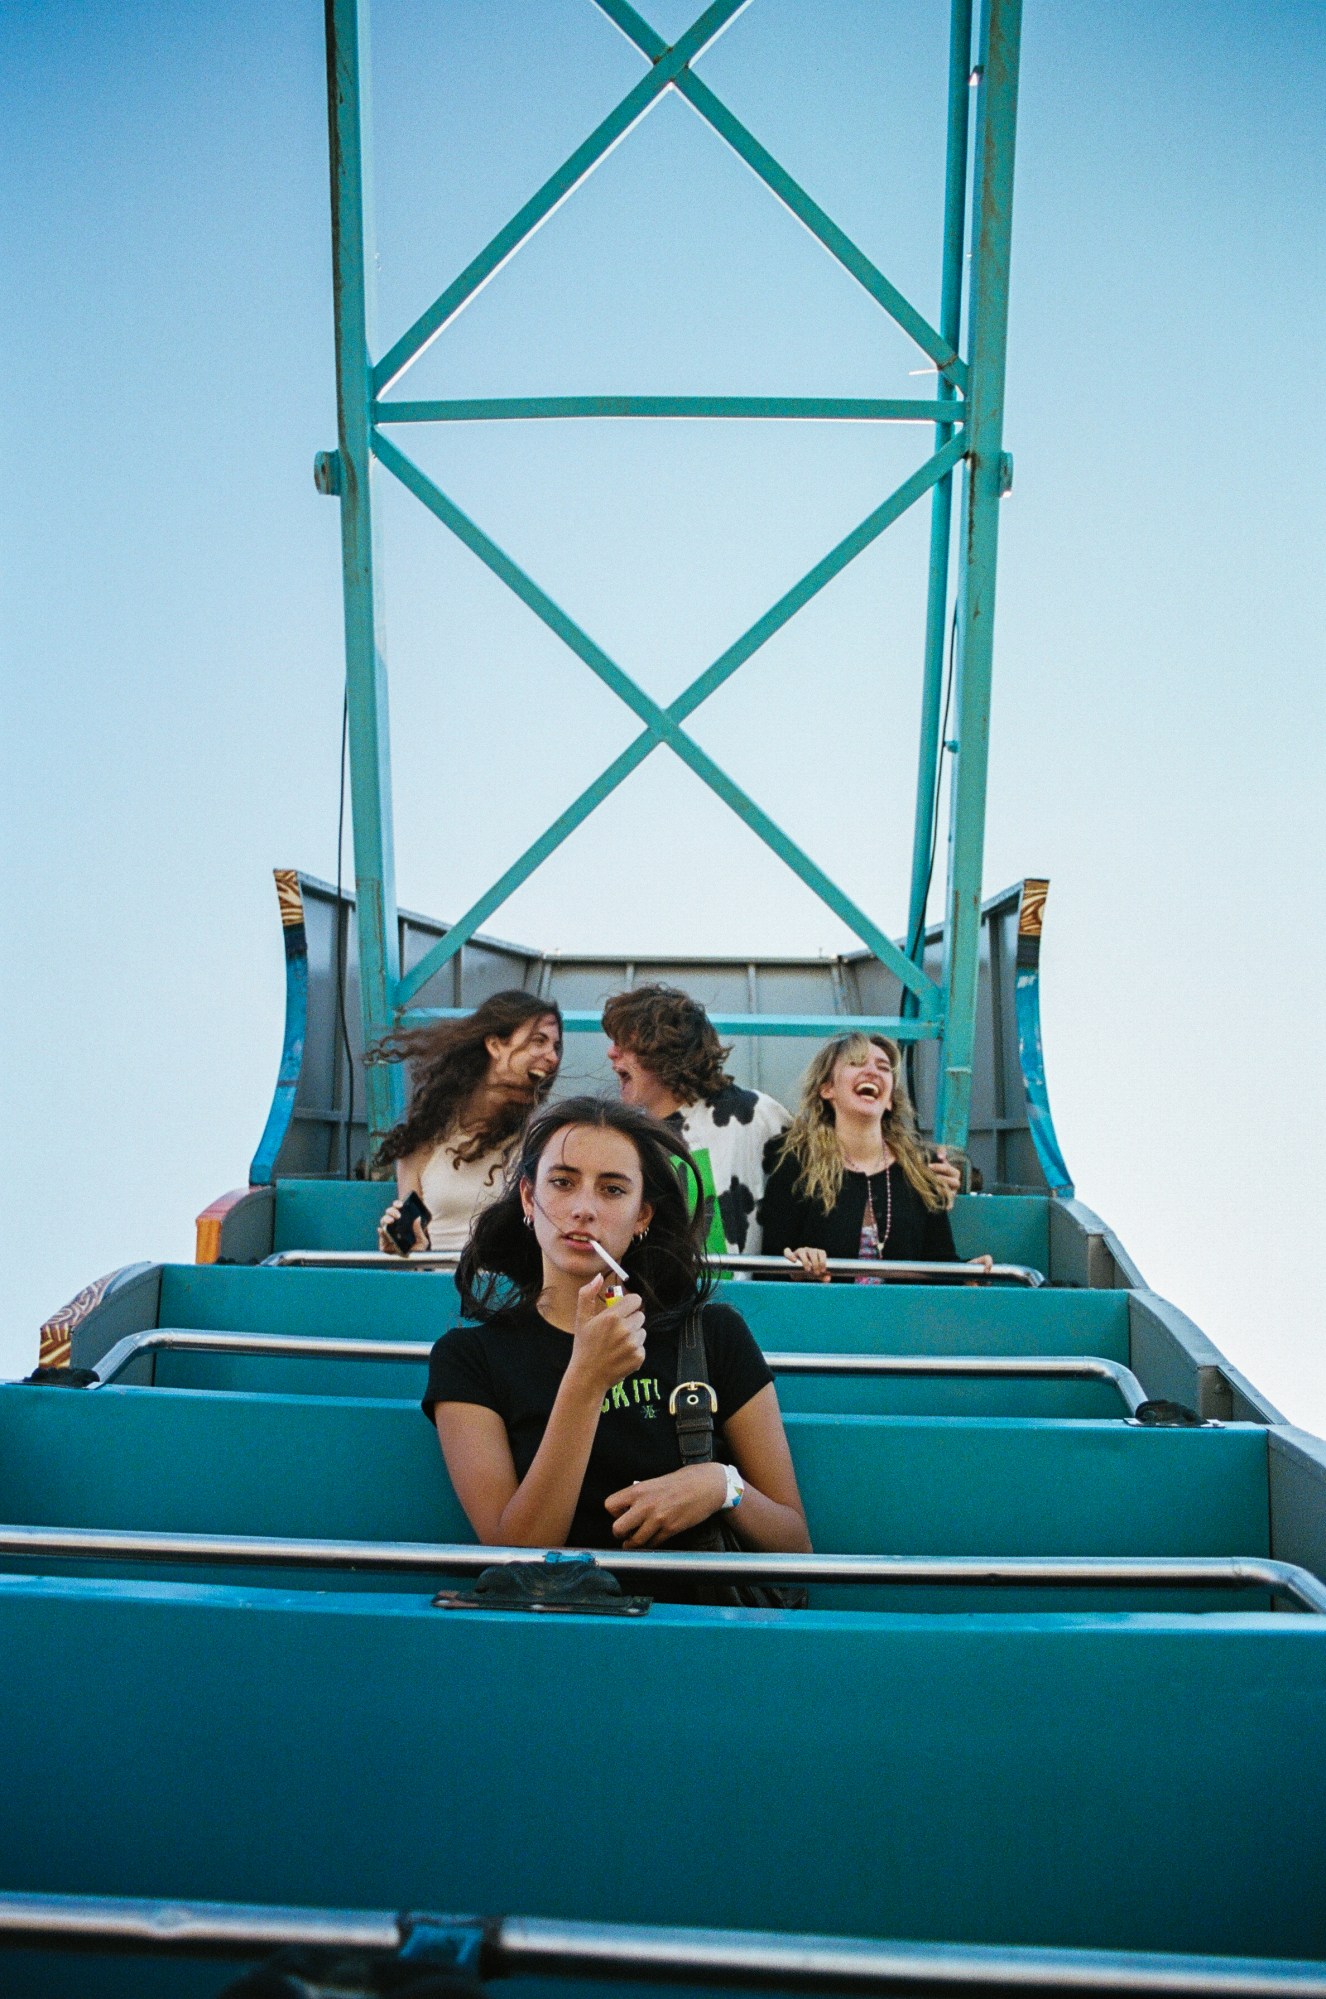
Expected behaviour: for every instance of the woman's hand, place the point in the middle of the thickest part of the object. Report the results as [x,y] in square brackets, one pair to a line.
[392,1214]
[812,1263]
[985,1263]
[609,1339]
[658,1509]
[947,1172]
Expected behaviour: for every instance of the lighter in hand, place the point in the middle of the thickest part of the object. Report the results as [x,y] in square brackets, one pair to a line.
[615,1289]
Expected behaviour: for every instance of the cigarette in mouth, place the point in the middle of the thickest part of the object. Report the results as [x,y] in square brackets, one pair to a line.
[610,1291]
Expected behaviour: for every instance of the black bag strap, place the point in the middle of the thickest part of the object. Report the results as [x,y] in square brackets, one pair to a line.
[693,1403]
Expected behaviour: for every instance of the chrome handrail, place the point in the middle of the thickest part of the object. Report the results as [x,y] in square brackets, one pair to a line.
[975,1367]
[467,1558]
[297,1346]
[885,1271]
[508,1946]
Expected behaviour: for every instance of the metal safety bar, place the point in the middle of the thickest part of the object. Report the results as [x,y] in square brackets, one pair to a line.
[970,1367]
[431,1558]
[299,1346]
[880,1270]
[509,1946]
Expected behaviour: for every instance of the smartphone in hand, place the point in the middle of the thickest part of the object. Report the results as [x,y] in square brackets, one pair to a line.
[401,1230]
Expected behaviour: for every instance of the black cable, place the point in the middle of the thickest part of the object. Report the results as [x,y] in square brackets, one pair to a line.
[916,941]
[943,745]
[343,943]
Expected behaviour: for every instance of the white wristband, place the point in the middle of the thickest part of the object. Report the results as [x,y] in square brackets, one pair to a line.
[736,1486]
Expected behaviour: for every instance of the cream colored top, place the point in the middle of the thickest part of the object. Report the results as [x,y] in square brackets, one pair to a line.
[455,1190]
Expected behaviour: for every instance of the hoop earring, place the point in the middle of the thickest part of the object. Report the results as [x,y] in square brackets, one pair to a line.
[640,1234]
[529,1221]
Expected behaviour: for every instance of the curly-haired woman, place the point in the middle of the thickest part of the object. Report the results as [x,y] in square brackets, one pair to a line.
[473,1084]
[851,1179]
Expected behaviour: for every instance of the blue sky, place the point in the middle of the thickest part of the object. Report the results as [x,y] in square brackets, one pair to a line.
[171,614]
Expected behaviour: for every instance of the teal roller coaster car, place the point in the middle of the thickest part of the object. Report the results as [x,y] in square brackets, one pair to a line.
[1055,1718]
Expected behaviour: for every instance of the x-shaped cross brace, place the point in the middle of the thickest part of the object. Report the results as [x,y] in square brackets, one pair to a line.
[663,725]
[669,69]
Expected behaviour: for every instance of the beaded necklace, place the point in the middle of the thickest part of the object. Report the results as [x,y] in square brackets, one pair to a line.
[872,1242]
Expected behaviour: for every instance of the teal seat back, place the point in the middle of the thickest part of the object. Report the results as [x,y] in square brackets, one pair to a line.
[1149,1783]
[1012,1228]
[329,1214]
[932,1319]
[784,1317]
[851,1395]
[300,1465]
[343,1214]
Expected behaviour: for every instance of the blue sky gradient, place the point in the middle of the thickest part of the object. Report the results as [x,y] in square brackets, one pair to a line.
[171,613]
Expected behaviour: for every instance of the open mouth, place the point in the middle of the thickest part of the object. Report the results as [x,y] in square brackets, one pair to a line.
[870,1090]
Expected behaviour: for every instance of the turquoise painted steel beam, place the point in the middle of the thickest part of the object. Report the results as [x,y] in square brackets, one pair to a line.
[663,724]
[992,216]
[365,665]
[792,195]
[925,827]
[467,926]
[817,1026]
[817,409]
[667,66]
[686,703]
[883,516]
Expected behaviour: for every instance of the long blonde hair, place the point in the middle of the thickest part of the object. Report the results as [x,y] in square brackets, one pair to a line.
[812,1137]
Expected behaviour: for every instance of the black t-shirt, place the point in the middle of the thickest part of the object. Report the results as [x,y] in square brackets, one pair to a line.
[792,1220]
[514,1364]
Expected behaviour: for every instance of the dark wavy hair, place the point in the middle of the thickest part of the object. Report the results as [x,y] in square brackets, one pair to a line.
[673,1035]
[501,1267]
[448,1062]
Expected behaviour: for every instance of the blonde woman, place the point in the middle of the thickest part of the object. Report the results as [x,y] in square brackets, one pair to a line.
[851,1178]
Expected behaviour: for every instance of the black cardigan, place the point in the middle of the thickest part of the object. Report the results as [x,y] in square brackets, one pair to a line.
[793,1221]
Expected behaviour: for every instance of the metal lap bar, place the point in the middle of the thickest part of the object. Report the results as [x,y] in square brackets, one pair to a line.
[766,1266]
[288,1346]
[974,1367]
[969,1367]
[541,1946]
[123,1923]
[772,1958]
[108,1544]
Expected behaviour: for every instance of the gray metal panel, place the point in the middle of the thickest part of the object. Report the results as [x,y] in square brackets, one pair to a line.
[1085,1252]
[1174,1359]
[248,1229]
[1297,1468]
[130,1305]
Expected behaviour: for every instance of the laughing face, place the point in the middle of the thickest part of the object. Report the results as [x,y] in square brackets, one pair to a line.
[528,1060]
[861,1085]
